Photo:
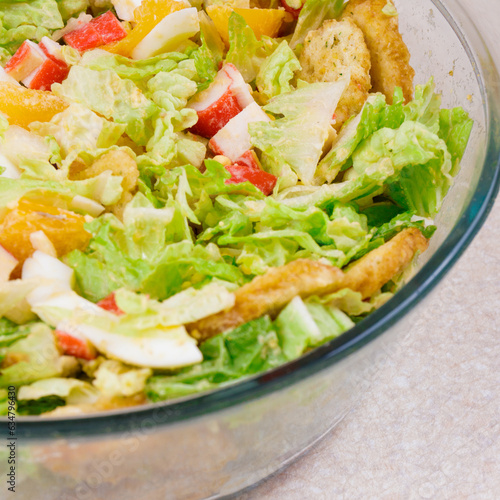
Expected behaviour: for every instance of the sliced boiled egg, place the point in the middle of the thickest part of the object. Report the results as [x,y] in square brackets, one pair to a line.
[169,348]
[168,33]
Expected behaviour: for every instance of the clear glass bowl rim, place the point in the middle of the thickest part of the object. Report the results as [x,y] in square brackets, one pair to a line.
[376,324]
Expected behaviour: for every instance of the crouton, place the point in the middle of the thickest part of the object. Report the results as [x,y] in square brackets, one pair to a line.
[370,273]
[335,49]
[270,292]
[390,58]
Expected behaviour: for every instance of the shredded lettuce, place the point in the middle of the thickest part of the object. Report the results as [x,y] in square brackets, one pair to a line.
[305,325]
[188,238]
[210,54]
[71,8]
[39,13]
[159,263]
[297,138]
[277,71]
[245,51]
[124,67]
[420,162]
[253,348]
[249,349]
[34,357]
[104,92]
[77,129]
[72,390]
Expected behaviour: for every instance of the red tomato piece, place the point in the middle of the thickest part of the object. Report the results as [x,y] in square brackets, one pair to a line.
[109,304]
[75,346]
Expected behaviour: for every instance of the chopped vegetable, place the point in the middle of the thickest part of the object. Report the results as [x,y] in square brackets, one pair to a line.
[191,195]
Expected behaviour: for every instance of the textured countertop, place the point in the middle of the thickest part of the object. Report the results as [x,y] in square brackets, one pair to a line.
[430,425]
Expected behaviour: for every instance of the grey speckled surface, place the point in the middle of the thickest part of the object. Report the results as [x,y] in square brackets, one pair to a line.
[430,425]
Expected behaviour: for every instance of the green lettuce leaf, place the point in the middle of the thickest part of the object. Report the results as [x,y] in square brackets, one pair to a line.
[71,390]
[185,307]
[169,144]
[297,139]
[132,69]
[105,93]
[210,54]
[71,8]
[266,233]
[347,228]
[277,71]
[245,51]
[402,221]
[31,358]
[10,332]
[4,402]
[424,107]
[39,406]
[40,13]
[11,39]
[161,262]
[26,20]
[376,113]
[185,264]
[77,129]
[200,185]
[455,128]
[302,326]
[420,160]
[245,351]
[411,164]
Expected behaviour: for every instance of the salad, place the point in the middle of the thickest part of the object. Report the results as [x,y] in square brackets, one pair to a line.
[195,192]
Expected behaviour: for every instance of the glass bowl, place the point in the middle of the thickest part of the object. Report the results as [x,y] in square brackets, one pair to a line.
[221,442]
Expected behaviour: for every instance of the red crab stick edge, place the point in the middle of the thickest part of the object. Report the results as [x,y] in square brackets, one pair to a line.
[38,66]
[248,168]
[27,58]
[73,345]
[227,96]
[100,31]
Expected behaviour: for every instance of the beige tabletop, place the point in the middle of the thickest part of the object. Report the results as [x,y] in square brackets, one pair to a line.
[430,425]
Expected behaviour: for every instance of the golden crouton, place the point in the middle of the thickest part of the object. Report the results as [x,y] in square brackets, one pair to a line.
[376,268]
[119,163]
[390,58]
[335,49]
[269,293]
